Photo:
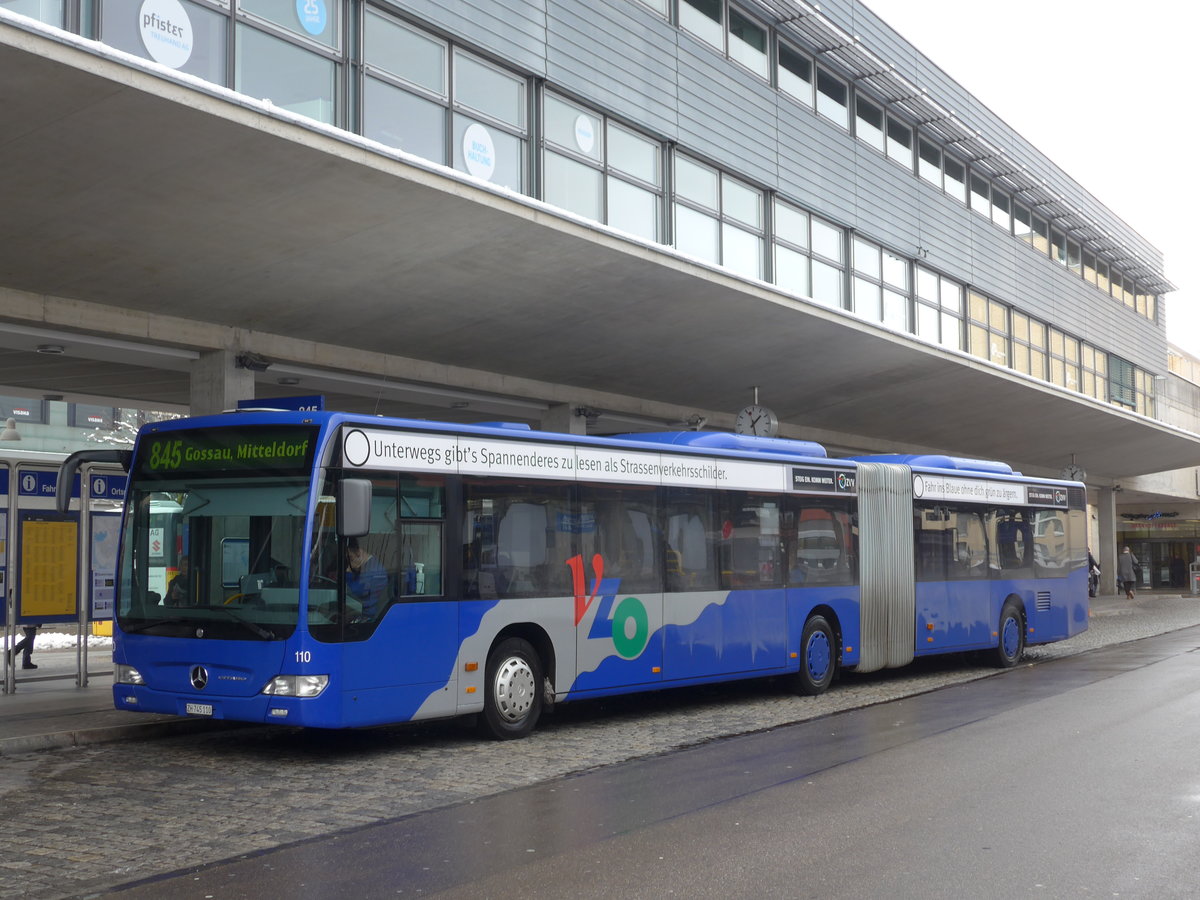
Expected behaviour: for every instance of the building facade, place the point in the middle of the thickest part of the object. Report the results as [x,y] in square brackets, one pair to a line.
[807,153]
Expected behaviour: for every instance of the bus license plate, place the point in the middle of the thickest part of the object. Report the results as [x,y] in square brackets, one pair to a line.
[199,709]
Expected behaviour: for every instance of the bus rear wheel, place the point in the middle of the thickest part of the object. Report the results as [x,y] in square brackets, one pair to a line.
[818,657]
[1012,636]
[512,700]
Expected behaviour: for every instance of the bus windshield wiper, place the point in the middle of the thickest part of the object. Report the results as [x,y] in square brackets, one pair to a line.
[263,633]
[143,626]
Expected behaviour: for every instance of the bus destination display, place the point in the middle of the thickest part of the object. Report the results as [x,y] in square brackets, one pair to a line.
[278,451]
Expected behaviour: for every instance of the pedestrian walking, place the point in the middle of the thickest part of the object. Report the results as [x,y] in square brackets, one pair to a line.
[25,647]
[1127,571]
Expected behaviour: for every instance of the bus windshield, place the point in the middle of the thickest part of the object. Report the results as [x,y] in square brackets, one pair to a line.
[213,557]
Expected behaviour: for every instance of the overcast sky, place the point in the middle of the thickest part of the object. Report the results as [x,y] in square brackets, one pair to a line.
[1106,90]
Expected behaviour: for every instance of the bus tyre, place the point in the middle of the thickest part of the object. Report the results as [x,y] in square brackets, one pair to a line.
[1012,636]
[818,657]
[512,699]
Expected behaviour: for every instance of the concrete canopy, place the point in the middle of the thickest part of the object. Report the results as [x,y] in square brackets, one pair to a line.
[133,198]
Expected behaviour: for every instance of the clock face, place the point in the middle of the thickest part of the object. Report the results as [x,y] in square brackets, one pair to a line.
[1073,472]
[757,420]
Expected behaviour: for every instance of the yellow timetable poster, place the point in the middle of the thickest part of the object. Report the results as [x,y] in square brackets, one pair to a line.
[49,577]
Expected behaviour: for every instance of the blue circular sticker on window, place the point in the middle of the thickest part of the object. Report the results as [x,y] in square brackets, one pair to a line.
[311,14]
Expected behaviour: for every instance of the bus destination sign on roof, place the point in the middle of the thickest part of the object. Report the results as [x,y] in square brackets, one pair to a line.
[276,451]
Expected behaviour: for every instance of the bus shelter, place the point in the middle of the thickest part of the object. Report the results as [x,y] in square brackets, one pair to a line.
[56,568]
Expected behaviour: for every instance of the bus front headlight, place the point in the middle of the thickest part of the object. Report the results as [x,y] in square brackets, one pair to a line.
[127,675]
[296,685]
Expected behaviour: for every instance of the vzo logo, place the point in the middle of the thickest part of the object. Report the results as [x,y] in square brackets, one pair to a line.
[628,625]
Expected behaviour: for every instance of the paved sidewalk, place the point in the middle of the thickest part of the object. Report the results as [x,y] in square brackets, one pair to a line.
[48,710]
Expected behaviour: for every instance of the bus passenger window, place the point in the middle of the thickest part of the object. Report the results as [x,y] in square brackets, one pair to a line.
[422,510]
[690,526]
[1012,537]
[951,544]
[1051,545]
[750,541]
[820,544]
[621,528]
[517,539]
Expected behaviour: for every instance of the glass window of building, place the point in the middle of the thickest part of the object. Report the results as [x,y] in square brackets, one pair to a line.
[832,98]
[1064,360]
[1089,267]
[929,161]
[938,309]
[697,210]
[880,285]
[1023,222]
[489,127]
[200,48]
[1074,261]
[828,263]
[409,56]
[49,12]
[899,142]
[1028,345]
[573,157]
[742,236]
[718,218]
[703,18]
[1041,235]
[1145,302]
[1058,246]
[1002,209]
[981,196]
[315,20]
[1125,294]
[748,43]
[1094,373]
[955,179]
[793,271]
[987,328]
[405,93]
[1102,275]
[895,292]
[1122,387]
[868,123]
[1145,393]
[288,74]
[867,299]
[634,182]
[662,7]
[795,74]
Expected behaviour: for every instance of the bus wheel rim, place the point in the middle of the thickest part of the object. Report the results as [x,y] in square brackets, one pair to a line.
[817,655]
[1010,636]
[515,689]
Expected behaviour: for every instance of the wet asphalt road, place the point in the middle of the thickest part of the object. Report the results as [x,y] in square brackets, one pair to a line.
[88,819]
[1073,778]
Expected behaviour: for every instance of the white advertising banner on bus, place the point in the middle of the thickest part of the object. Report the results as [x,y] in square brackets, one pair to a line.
[967,490]
[367,448]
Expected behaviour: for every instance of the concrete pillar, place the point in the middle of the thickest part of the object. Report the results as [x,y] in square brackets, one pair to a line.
[562,418]
[1106,553]
[217,384]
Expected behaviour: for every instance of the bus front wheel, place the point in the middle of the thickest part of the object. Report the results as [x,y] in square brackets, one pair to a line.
[1012,636]
[818,657]
[512,700]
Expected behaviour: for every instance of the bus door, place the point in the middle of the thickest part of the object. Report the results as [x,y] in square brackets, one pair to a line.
[725,604]
[954,587]
[617,578]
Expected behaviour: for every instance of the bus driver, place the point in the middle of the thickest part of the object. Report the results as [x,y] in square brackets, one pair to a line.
[366,579]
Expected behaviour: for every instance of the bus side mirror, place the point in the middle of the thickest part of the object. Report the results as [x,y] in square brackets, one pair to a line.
[354,507]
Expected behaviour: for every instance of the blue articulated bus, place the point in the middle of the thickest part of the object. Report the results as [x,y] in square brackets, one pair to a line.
[346,571]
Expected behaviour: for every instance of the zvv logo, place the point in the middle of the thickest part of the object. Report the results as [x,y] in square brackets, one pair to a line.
[629,625]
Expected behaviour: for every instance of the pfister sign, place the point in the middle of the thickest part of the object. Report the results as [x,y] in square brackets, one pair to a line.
[166,32]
